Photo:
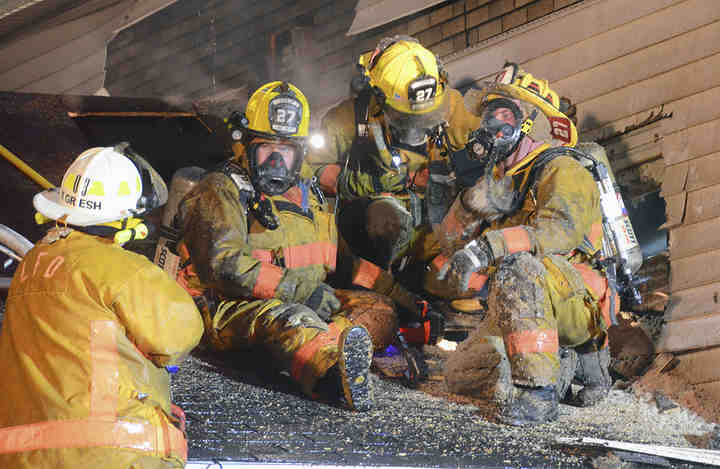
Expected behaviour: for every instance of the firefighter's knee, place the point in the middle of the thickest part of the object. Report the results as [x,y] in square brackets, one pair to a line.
[518,291]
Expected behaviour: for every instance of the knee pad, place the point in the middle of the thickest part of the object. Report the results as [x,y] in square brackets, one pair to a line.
[518,289]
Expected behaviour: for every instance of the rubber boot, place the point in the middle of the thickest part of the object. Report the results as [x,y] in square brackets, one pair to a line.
[530,406]
[356,350]
[593,373]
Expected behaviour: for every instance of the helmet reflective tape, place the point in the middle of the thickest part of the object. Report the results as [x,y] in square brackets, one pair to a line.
[285,115]
[101,185]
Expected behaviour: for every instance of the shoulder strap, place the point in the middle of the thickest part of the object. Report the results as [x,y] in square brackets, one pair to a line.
[239,176]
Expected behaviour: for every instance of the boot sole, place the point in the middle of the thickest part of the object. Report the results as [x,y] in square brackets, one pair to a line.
[354,367]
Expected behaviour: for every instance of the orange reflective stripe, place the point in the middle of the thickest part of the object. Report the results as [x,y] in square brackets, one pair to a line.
[328,178]
[450,225]
[596,283]
[104,374]
[183,279]
[294,195]
[267,280]
[306,352]
[320,253]
[420,178]
[596,233]
[366,274]
[516,239]
[102,427]
[140,436]
[537,341]
[263,255]
[598,286]
[477,281]
[439,261]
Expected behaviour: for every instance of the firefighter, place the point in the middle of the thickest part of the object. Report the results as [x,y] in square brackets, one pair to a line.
[90,328]
[258,242]
[533,224]
[387,158]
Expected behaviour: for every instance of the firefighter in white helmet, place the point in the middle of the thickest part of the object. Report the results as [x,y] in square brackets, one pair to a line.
[532,228]
[258,244]
[90,329]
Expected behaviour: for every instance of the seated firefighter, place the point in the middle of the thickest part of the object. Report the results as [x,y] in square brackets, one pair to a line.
[259,241]
[387,159]
[90,328]
[534,226]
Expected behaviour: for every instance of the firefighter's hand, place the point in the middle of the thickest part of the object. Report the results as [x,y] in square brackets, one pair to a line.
[474,257]
[323,301]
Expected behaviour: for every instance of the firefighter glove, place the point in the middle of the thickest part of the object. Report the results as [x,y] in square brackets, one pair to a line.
[474,257]
[323,301]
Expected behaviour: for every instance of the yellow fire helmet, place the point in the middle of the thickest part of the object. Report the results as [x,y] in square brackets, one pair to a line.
[277,114]
[539,106]
[412,84]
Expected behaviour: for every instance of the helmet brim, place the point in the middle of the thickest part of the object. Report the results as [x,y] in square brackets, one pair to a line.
[48,204]
[428,120]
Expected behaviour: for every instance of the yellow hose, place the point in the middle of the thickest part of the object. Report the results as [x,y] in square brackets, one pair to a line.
[29,172]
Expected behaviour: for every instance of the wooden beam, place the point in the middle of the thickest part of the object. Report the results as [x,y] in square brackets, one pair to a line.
[641,64]
[139,11]
[649,94]
[694,271]
[691,239]
[675,180]
[703,204]
[690,334]
[693,142]
[693,302]
[701,366]
[674,210]
[555,33]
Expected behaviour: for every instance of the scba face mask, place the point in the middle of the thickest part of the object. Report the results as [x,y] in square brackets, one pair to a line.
[275,166]
[500,132]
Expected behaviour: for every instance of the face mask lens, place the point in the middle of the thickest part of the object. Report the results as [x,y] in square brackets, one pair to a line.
[275,153]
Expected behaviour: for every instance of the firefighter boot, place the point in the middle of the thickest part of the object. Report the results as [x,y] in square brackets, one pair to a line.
[592,371]
[530,406]
[355,349]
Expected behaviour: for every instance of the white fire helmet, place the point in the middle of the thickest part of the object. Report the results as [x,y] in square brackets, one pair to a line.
[100,186]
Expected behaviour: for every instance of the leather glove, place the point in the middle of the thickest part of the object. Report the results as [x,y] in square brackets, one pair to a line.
[474,257]
[323,301]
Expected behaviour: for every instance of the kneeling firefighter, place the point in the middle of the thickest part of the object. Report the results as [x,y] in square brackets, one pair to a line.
[90,328]
[257,244]
[533,228]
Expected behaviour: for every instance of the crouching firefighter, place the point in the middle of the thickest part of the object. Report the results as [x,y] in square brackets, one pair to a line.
[90,328]
[387,159]
[532,227]
[258,242]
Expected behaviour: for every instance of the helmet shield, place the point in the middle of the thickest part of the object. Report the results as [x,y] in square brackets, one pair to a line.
[154,189]
[412,129]
[274,165]
[285,115]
